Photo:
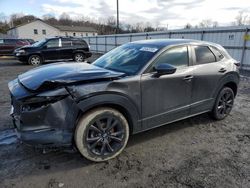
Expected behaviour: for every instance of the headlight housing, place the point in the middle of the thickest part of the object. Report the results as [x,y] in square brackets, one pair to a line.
[21,51]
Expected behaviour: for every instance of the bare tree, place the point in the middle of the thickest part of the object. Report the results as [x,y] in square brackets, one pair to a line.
[215,24]
[148,27]
[188,26]
[111,21]
[19,18]
[242,19]
[208,23]
[65,19]
[50,19]
[4,26]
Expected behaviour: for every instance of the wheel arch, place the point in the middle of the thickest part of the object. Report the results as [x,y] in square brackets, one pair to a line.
[230,80]
[115,101]
[78,51]
[233,86]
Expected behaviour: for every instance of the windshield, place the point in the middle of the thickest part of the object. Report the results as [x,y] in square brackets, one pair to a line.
[128,58]
[39,43]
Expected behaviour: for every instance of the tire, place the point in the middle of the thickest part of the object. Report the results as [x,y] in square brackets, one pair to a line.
[223,104]
[35,60]
[79,57]
[101,134]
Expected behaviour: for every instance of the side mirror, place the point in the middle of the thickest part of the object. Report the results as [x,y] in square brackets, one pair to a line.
[45,47]
[163,69]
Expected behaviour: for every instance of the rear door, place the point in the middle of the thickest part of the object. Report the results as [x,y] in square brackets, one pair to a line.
[50,49]
[66,51]
[80,45]
[208,68]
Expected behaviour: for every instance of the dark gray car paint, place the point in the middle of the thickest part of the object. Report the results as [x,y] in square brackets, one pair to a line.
[145,100]
[175,91]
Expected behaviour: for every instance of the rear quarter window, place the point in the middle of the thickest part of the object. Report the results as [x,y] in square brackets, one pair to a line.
[204,55]
[217,53]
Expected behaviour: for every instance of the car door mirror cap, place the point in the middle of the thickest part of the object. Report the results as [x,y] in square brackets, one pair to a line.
[164,69]
[45,47]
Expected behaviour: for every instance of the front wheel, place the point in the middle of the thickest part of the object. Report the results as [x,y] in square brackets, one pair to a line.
[223,104]
[101,134]
[35,60]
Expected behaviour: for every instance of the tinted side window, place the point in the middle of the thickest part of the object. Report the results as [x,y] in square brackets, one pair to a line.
[217,53]
[203,55]
[10,41]
[53,43]
[66,43]
[79,43]
[177,56]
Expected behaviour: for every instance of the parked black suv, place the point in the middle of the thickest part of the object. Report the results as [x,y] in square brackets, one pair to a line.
[54,49]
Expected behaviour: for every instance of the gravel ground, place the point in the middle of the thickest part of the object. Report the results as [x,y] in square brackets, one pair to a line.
[197,152]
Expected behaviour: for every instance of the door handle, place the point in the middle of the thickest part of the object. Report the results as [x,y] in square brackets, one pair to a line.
[188,78]
[222,70]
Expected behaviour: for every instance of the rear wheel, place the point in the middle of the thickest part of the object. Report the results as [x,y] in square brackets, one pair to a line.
[223,104]
[101,134]
[79,57]
[35,60]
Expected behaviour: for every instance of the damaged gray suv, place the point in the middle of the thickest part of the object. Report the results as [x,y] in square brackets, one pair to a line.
[133,88]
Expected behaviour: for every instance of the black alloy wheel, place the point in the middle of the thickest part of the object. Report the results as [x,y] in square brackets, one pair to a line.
[105,135]
[224,103]
[102,134]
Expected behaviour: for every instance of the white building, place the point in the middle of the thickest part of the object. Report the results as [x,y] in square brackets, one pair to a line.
[38,30]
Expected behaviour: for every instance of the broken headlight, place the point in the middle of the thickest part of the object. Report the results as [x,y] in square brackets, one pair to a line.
[39,102]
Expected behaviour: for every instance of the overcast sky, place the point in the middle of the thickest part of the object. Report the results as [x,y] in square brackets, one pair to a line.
[172,13]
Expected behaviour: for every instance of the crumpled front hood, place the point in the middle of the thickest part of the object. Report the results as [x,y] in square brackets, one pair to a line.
[50,76]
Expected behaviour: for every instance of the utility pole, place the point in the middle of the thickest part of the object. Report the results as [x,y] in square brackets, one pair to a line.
[117,16]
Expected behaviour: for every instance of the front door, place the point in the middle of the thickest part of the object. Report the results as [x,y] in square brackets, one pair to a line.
[167,98]
[51,49]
